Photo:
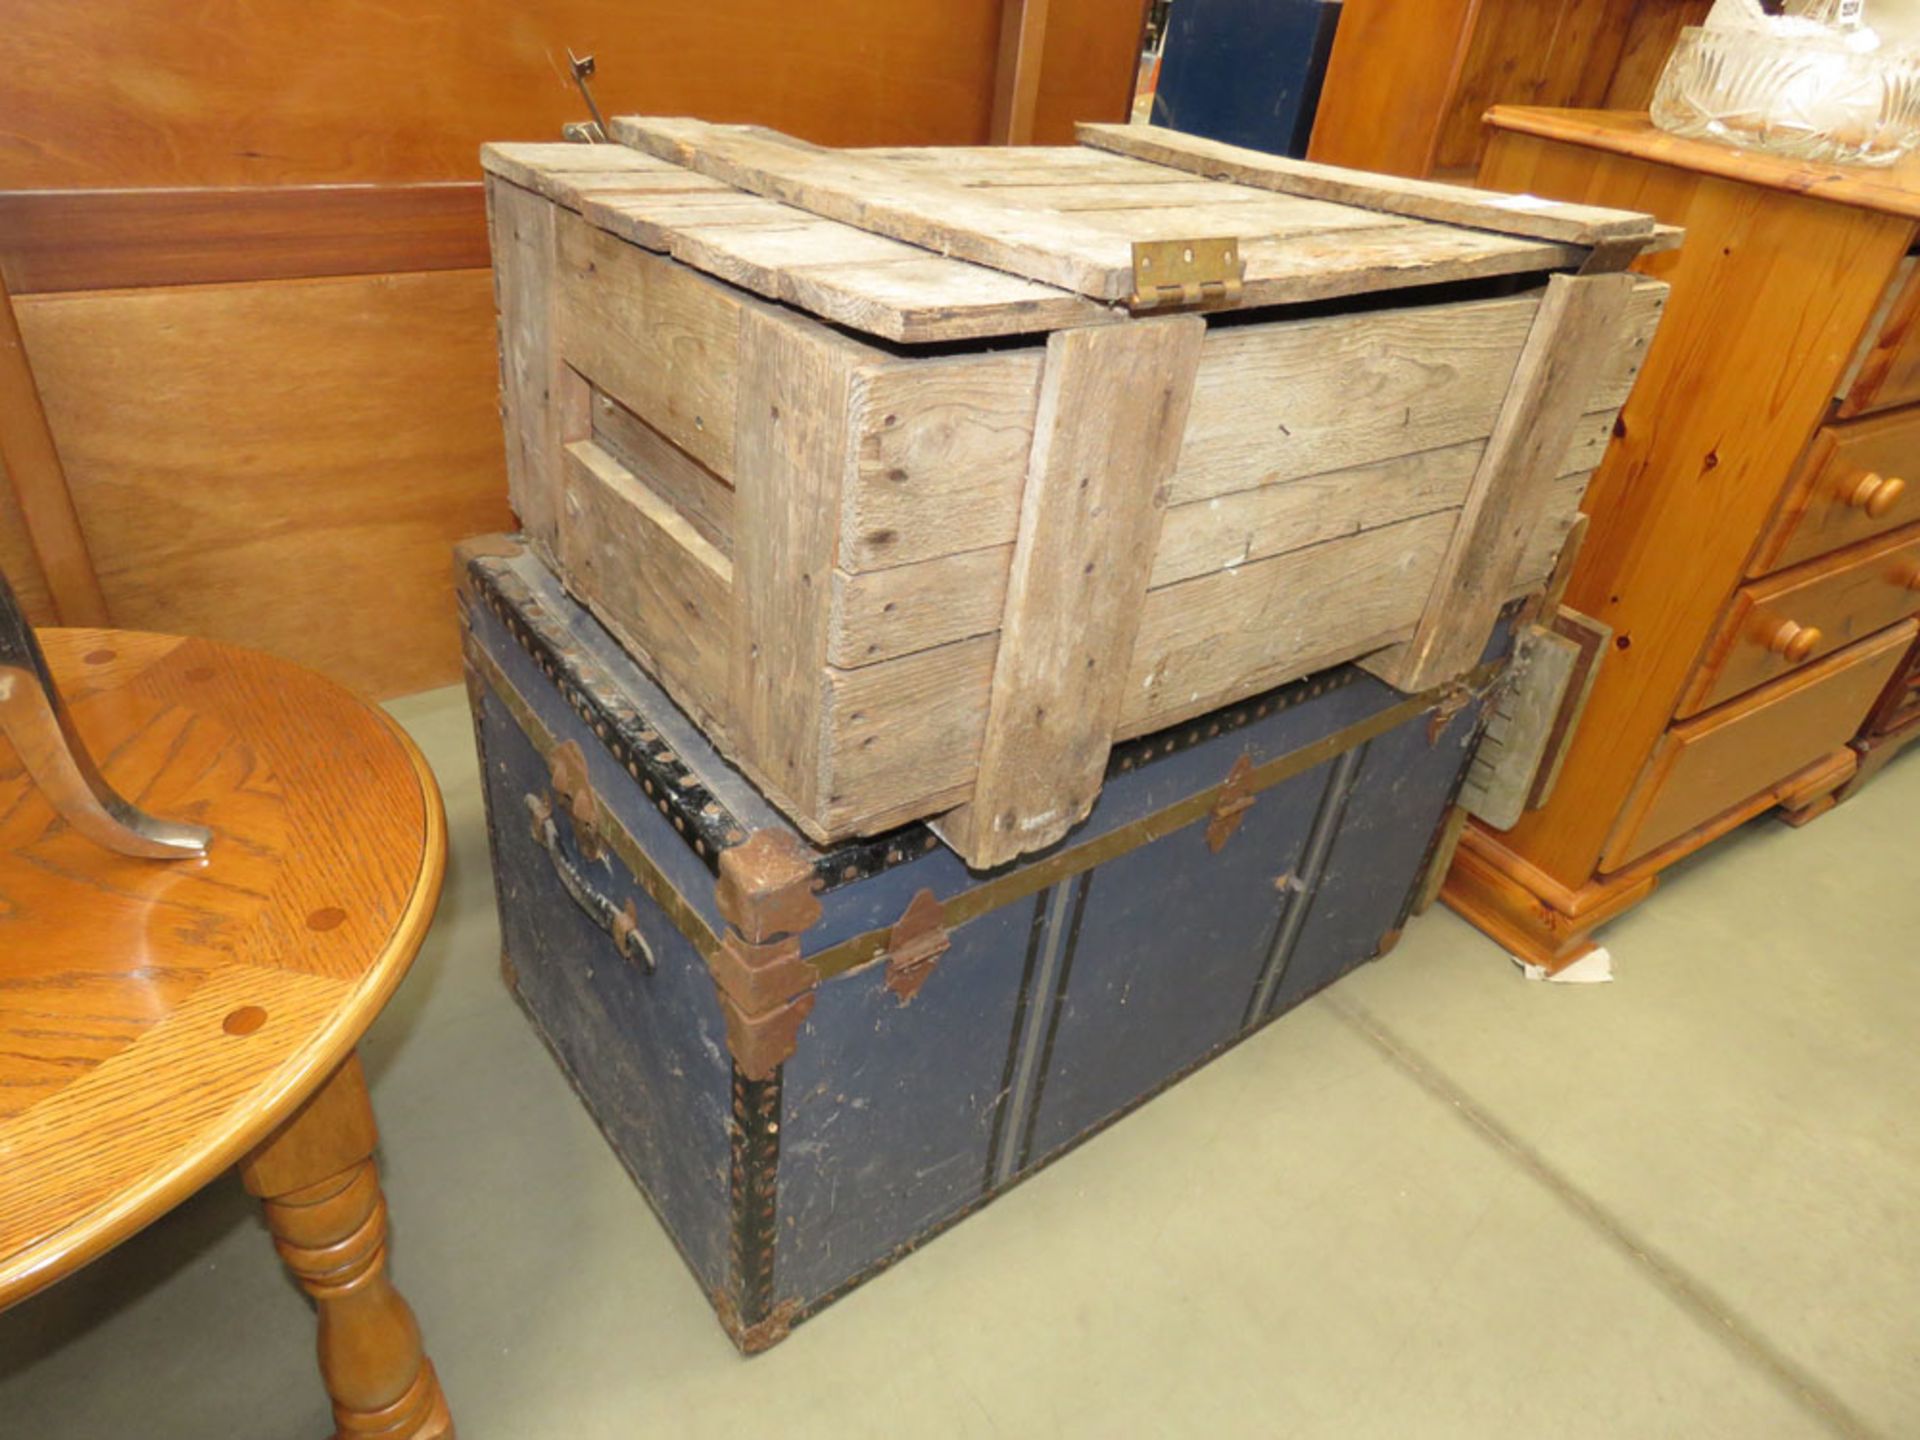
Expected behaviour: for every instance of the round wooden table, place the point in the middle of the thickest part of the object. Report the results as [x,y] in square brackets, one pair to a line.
[163,1021]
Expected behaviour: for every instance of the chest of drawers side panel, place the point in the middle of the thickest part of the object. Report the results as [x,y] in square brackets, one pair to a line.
[1704,446]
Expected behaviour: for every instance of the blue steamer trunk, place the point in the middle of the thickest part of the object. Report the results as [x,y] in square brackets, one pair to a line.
[811,1061]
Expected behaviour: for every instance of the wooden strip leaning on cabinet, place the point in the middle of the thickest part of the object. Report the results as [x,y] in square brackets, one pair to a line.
[1571,336]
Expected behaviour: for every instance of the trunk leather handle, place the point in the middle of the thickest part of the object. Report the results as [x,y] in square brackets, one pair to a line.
[622,923]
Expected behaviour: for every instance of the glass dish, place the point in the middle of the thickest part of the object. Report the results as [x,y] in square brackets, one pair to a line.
[1805,99]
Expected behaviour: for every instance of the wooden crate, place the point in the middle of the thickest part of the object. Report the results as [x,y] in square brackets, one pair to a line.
[909,482]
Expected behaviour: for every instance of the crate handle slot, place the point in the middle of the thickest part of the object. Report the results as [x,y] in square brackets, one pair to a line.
[622,923]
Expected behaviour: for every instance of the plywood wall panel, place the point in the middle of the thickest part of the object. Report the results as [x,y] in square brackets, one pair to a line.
[1089,64]
[285,464]
[216,92]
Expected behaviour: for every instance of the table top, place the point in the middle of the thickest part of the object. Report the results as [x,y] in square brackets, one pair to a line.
[1894,190]
[158,1019]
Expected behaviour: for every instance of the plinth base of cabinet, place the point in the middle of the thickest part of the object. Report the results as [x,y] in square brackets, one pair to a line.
[1551,925]
[1528,912]
[1874,752]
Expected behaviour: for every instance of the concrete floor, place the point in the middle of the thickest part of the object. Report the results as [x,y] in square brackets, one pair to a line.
[1436,1201]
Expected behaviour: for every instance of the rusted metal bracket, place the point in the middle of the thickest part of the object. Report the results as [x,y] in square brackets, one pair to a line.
[1453,698]
[766,994]
[765,891]
[1230,807]
[766,886]
[918,940]
[567,773]
[1183,274]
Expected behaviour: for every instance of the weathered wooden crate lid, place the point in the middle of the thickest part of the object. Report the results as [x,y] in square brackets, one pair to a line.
[966,243]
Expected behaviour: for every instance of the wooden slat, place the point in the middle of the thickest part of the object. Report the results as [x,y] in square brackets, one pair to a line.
[935,299]
[895,202]
[1525,216]
[1089,524]
[659,338]
[658,583]
[1364,261]
[1276,402]
[1207,642]
[1229,531]
[792,429]
[59,240]
[653,220]
[880,286]
[904,736]
[940,459]
[884,614]
[1578,322]
[757,257]
[703,497]
[532,379]
[994,166]
[30,461]
[840,272]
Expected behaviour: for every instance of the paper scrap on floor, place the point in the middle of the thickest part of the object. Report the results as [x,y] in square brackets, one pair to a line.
[1593,968]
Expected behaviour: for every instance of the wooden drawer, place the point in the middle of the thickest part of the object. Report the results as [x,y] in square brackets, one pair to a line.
[1888,372]
[1799,616]
[1858,480]
[1704,767]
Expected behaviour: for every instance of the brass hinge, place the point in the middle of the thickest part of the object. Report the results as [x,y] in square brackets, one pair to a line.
[1170,274]
[919,939]
[1231,805]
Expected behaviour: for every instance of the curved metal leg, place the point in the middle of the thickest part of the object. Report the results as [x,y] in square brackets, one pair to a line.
[32,717]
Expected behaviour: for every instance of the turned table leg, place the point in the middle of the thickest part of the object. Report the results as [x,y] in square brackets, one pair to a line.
[329,1222]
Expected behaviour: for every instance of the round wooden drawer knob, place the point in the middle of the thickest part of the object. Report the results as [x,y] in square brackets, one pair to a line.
[1876,494]
[1794,642]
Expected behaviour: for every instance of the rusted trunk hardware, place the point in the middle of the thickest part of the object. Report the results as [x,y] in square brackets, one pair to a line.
[918,940]
[567,767]
[1235,799]
[765,891]
[1453,699]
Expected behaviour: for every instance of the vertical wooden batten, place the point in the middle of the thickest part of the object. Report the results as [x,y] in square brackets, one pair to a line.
[1113,411]
[40,485]
[1016,75]
[1564,353]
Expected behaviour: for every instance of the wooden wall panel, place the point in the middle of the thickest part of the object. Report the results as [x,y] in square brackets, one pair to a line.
[212,92]
[17,561]
[285,465]
[1089,64]
[280,461]
[1407,84]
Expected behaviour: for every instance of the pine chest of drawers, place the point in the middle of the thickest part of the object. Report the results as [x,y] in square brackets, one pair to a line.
[1754,537]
